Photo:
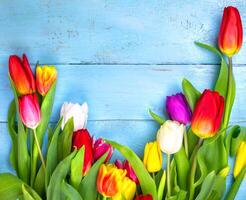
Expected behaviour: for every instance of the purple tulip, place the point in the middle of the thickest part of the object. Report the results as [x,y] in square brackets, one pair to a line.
[130,172]
[100,147]
[178,109]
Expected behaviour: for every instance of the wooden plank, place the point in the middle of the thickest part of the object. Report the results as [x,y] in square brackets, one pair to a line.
[122,131]
[126,92]
[103,31]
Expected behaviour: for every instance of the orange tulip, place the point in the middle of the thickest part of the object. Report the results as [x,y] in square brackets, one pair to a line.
[21,74]
[45,77]
[231,32]
[208,113]
[109,180]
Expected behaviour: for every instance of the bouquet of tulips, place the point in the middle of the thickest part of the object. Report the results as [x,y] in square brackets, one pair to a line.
[71,164]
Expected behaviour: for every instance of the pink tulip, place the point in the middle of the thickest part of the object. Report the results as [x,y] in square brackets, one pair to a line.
[130,172]
[29,110]
[100,147]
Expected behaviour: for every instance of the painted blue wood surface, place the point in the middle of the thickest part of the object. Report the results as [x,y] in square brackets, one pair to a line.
[122,57]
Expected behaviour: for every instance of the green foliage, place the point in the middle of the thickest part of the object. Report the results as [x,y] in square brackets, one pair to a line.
[156,117]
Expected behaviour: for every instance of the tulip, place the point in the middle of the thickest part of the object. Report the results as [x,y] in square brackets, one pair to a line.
[78,112]
[127,190]
[29,110]
[100,147]
[109,180]
[231,32]
[21,75]
[144,197]
[170,136]
[152,157]
[82,138]
[178,109]
[45,77]
[130,172]
[240,159]
[208,113]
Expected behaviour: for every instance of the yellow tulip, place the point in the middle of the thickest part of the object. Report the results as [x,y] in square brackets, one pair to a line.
[127,191]
[240,159]
[152,157]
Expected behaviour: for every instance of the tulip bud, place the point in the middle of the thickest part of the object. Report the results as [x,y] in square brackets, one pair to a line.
[231,32]
[45,77]
[170,136]
[29,110]
[21,75]
[127,190]
[208,113]
[178,109]
[100,147]
[82,138]
[109,180]
[130,172]
[78,112]
[240,159]
[144,197]
[152,157]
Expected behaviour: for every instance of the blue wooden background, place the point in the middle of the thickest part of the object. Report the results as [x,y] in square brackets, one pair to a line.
[122,57]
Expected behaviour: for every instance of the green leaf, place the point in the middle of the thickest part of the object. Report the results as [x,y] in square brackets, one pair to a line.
[76,168]
[60,173]
[70,192]
[192,140]
[52,159]
[156,117]
[87,187]
[39,183]
[161,186]
[232,131]
[183,167]
[238,135]
[26,195]
[191,93]
[146,182]
[65,140]
[11,187]
[23,154]
[46,110]
[13,135]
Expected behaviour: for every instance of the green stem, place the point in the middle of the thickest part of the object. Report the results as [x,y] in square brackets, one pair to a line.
[168,176]
[228,96]
[236,184]
[153,176]
[39,149]
[193,170]
[104,198]
[186,144]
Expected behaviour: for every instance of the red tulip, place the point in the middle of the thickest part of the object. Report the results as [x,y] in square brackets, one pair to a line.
[29,110]
[82,138]
[21,74]
[231,32]
[144,197]
[100,147]
[208,113]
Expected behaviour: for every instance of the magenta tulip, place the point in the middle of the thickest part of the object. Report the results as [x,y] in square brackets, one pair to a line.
[29,110]
[178,109]
[100,147]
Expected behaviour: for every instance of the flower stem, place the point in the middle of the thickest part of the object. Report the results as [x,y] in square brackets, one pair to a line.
[153,176]
[228,96]
[193,170]
[168,176]
[104,198]
[186,144]
[39,149]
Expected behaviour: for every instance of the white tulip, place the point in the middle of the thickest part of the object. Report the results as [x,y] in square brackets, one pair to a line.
[170,136]
[77,111]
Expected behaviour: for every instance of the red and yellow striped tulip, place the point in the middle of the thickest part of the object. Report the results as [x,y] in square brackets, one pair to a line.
[208,113]
[109,180]
[45,77]
[21,75]
[231,32]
